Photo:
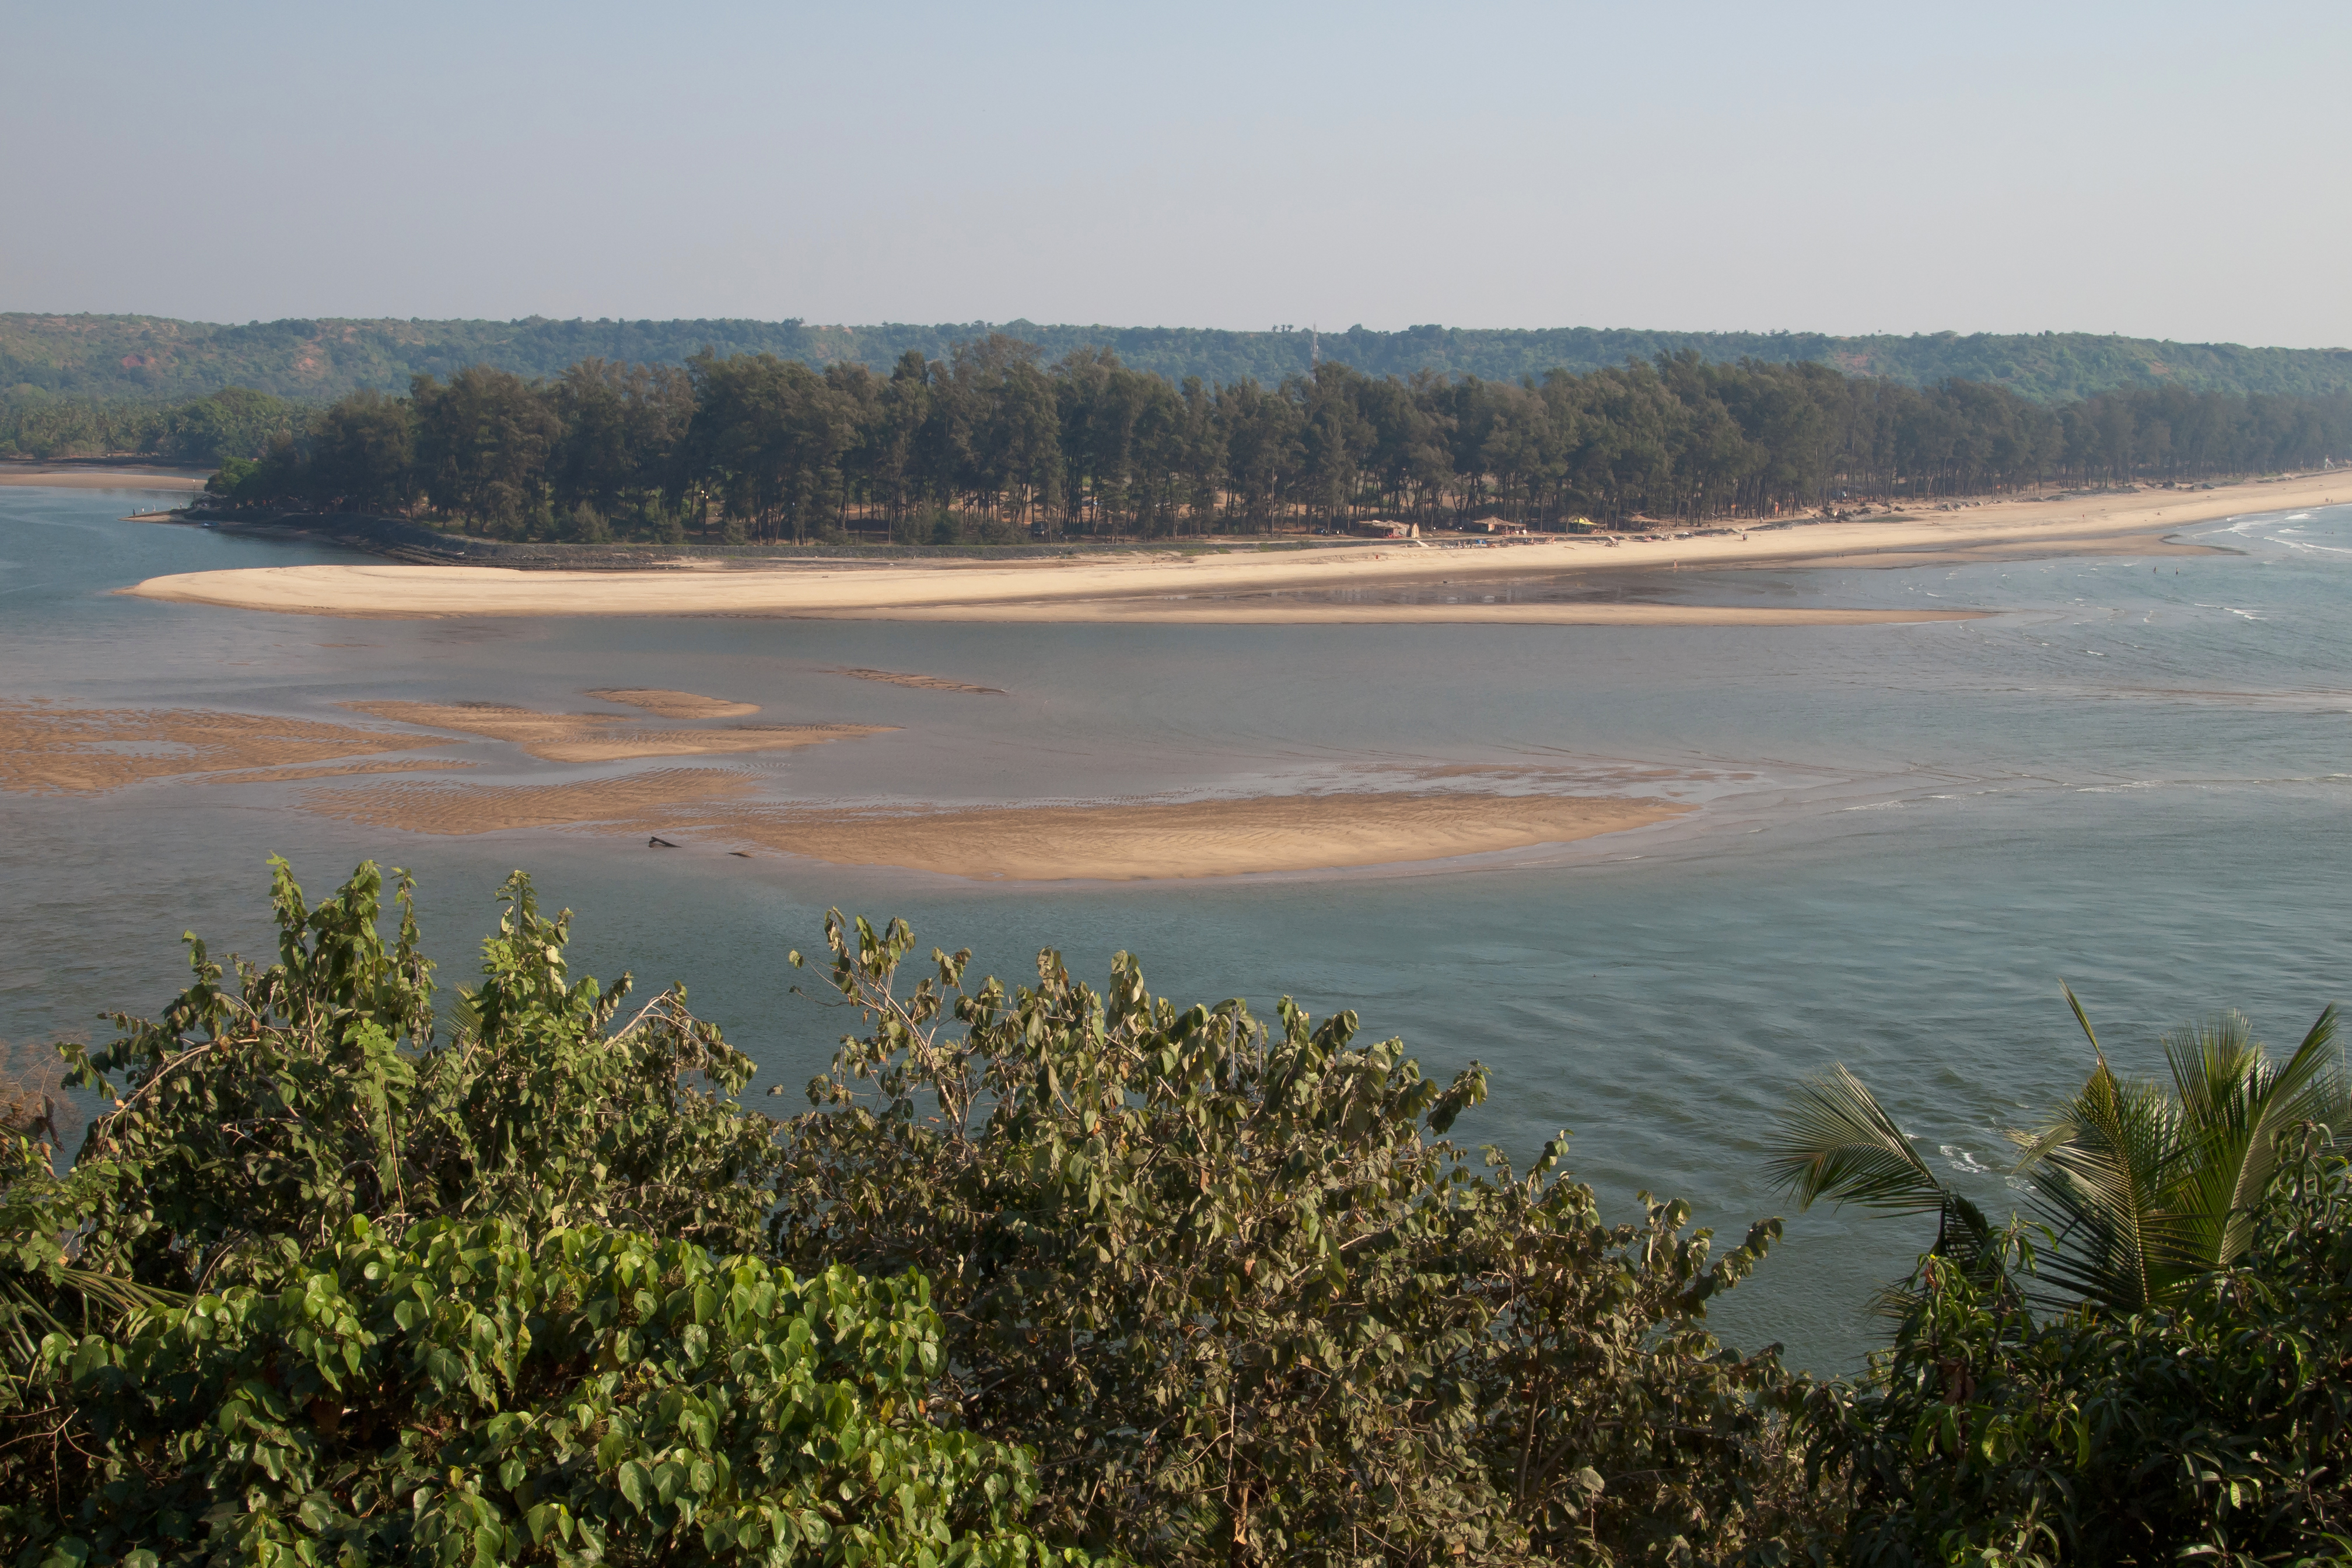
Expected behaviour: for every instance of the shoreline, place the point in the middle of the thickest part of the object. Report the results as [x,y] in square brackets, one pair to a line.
[113,477]
[1213,585]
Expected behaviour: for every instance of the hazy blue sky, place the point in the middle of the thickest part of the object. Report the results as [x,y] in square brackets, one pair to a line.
[2174,171]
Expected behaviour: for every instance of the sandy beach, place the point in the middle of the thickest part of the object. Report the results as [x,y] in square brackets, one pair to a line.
[1120,842]
[90,476]
[1228,584]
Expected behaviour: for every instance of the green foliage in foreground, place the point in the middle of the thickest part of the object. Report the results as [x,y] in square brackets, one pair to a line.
[2145,1187]
[1045,1274]
[1250,1305]
[2219,1430]
[474,1394]
[266,1108]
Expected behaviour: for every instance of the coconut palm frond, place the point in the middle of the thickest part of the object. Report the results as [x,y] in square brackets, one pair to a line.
[2236,1105]
[27,1313]
[2107,1170]
[1836,1141]
[2143,1187]
[2084,1018]
[2210,1063]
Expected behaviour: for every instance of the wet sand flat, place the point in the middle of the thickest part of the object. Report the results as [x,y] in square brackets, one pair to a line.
[460,809]
[1194,838]
[663,703]
[1122,842]
[50,748]
[605,737]
[333,769]
[920,682]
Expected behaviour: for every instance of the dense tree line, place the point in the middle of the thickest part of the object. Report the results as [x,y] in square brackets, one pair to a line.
[348,1273]
[994,445]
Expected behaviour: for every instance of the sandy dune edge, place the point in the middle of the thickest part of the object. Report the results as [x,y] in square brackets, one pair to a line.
[1113,843]
[1168,586]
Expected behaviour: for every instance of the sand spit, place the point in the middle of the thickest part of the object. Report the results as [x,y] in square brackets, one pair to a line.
[462,808]
[85,476]
[1309,613]
[1120,842]
[1192,838]
[605,737]
[664,704]
[48,748]
[921,682]
[1214,583]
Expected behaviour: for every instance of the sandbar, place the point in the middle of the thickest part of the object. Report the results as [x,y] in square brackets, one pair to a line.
[333,769]
[605,737]
[1184,839]
[1120,842]
[457,809]
[48,747]
[1215,584]
[920,682]
[664,704]
[84,477]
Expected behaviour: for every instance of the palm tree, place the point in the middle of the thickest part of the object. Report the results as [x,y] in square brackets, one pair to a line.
[2149,1187]
[2145,1185]
[1838,1142]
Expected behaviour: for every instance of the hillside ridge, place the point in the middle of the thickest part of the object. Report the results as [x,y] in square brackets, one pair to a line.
[320,359]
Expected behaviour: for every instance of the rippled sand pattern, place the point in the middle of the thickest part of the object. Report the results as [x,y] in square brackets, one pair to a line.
[48,748]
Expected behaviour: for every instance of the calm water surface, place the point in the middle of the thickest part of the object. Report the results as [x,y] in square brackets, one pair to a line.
[2134,777]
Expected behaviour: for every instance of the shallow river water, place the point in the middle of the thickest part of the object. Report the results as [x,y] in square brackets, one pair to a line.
[2133,777]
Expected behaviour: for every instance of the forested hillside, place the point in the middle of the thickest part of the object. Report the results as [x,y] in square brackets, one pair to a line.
[157,357]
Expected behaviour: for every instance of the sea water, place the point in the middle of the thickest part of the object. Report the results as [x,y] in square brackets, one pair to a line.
[2132,777]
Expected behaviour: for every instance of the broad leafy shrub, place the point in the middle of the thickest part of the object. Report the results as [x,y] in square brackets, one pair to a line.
[266,1108]
[467,1396]
[1252,1307]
